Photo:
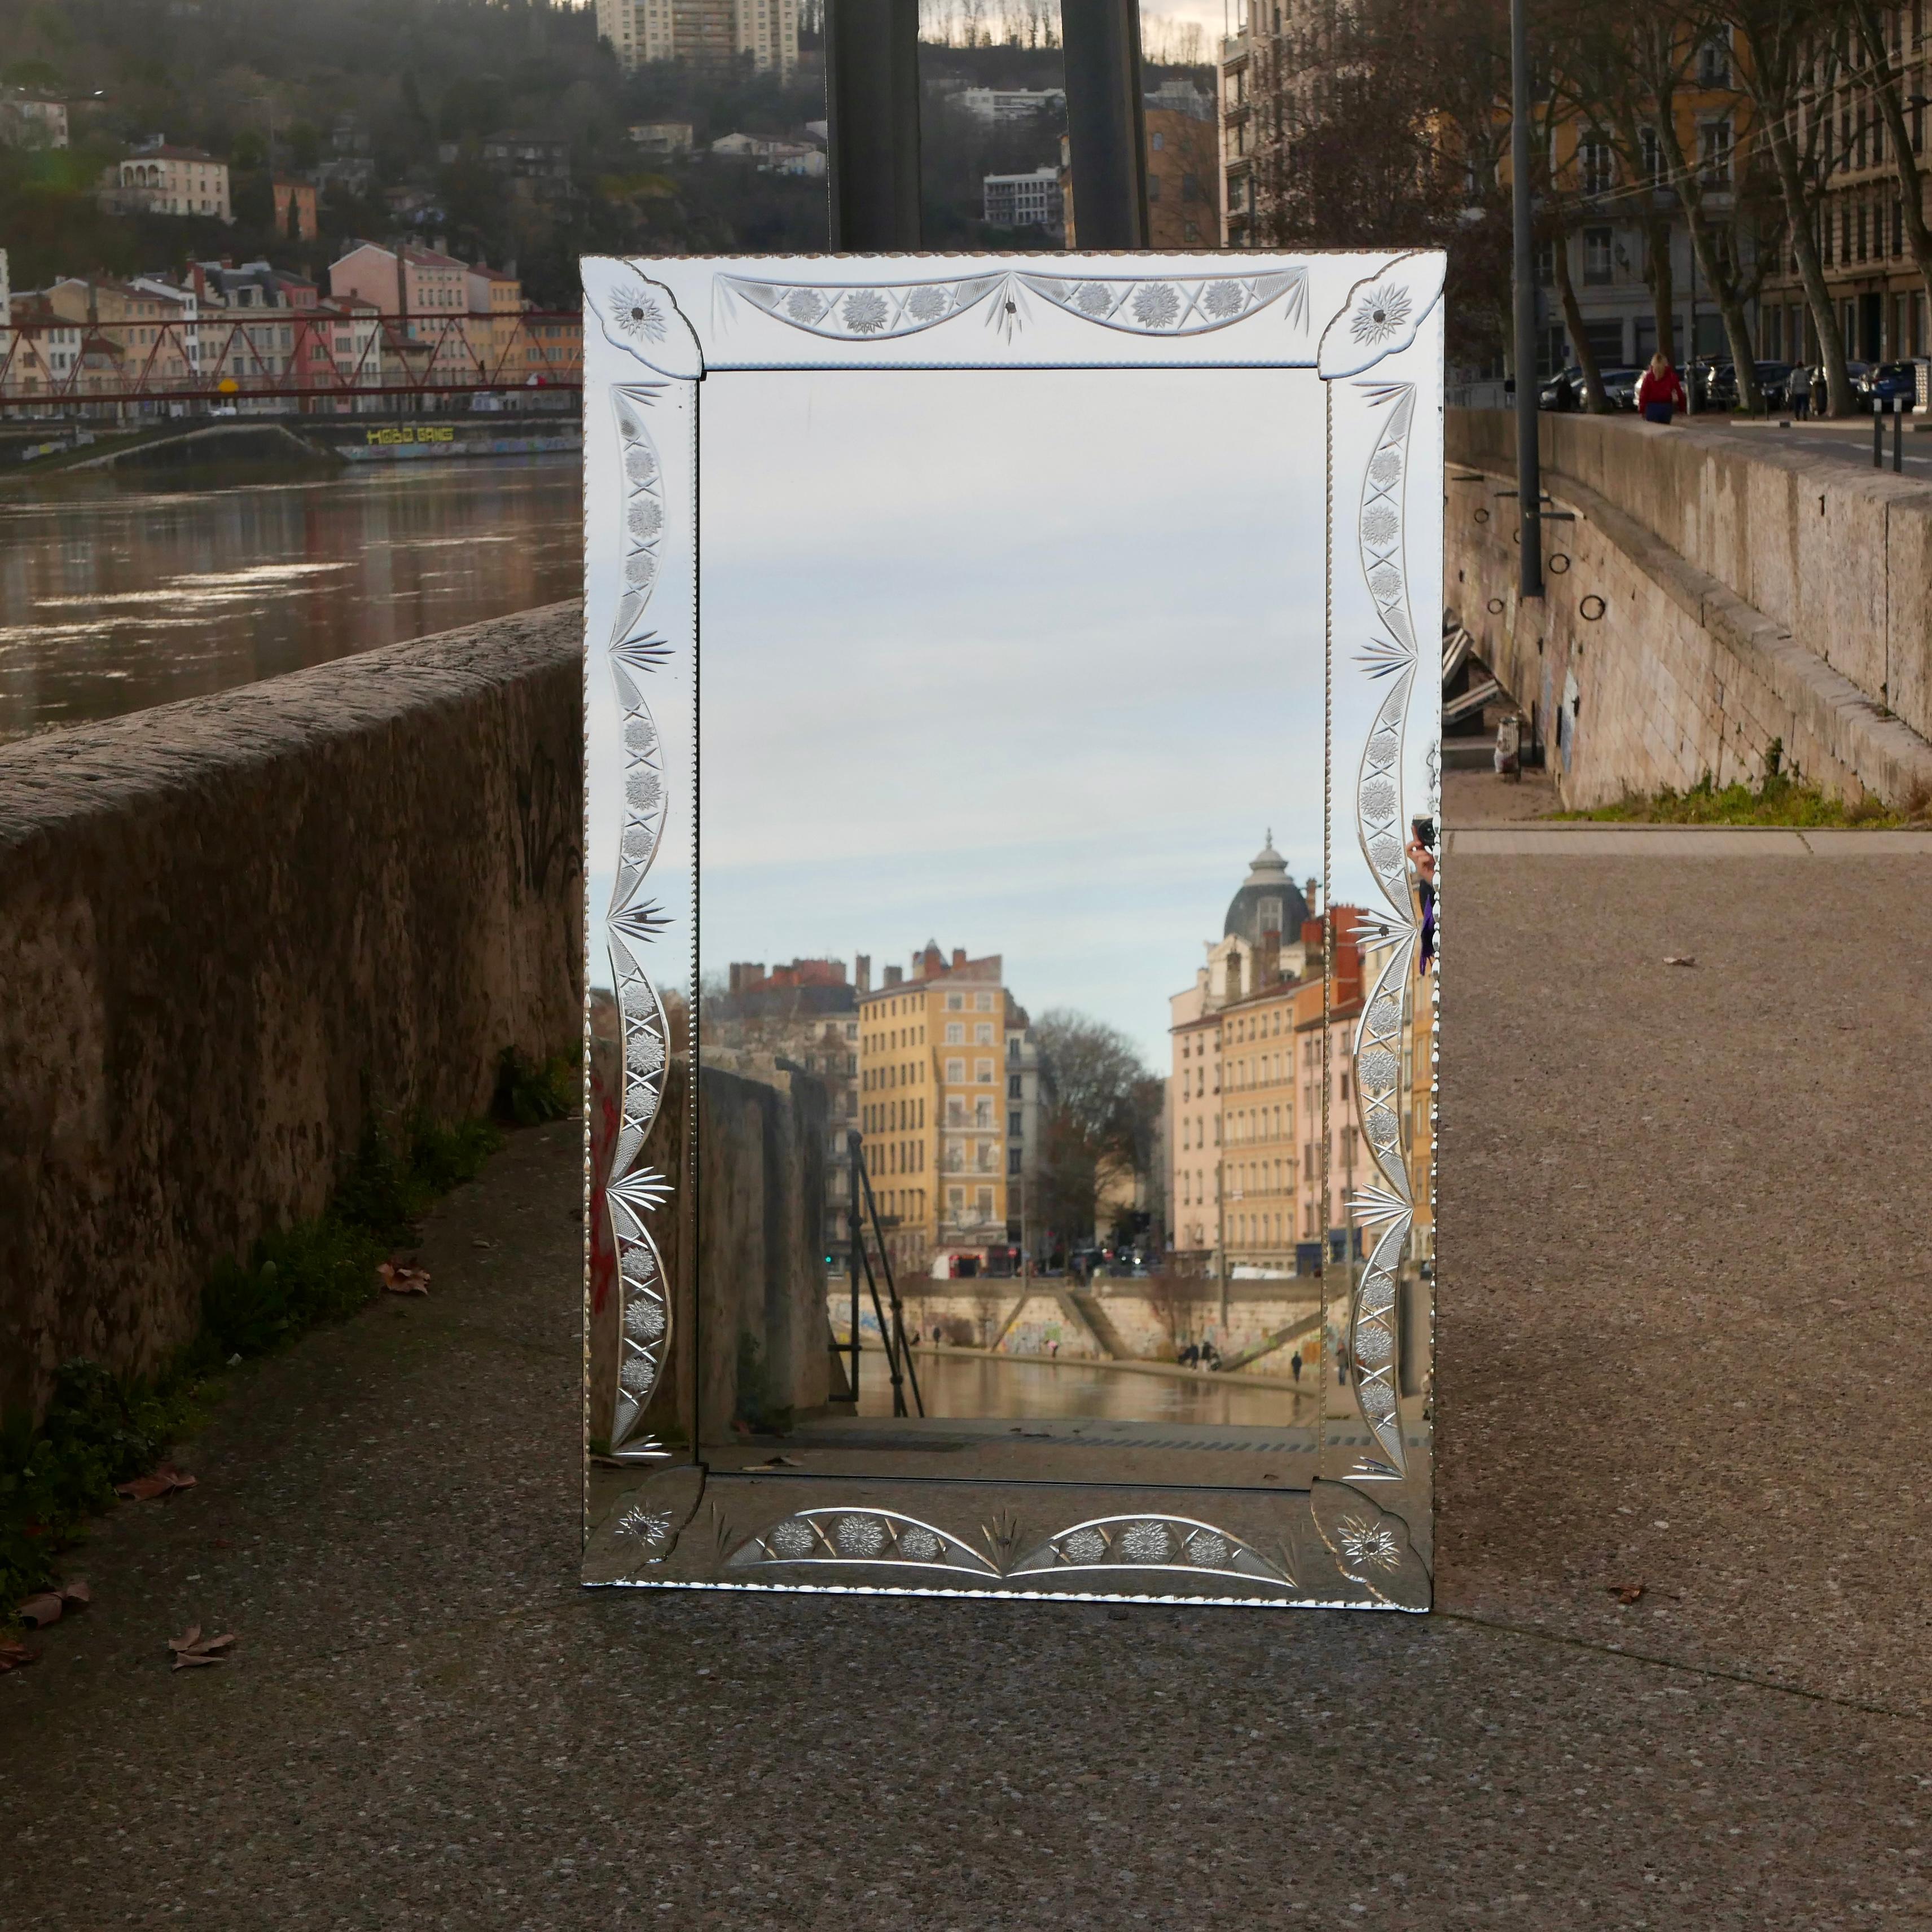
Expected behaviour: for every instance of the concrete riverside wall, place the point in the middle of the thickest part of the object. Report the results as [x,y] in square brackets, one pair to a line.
[235,929]
[1714,642]
[761,1160]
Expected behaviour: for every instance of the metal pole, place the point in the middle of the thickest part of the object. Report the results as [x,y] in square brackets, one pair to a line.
[1528,465]
[852,1250]
[1106,126]
[871,108]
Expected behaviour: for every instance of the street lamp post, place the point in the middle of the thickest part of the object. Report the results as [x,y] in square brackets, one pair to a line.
[1528,466]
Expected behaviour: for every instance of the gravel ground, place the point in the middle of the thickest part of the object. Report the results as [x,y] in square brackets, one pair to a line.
[1685,1273]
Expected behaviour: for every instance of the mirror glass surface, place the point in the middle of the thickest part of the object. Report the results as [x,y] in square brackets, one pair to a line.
[1011,716]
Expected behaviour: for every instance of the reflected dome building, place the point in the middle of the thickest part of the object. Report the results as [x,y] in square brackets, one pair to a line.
[1268,901]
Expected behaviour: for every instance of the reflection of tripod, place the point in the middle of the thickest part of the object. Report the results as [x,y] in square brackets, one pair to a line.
[898,1351]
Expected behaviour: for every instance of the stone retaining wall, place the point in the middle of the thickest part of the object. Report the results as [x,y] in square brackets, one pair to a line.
[233,930]
[1686,672]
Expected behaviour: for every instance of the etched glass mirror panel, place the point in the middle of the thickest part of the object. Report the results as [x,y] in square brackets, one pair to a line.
[1010,931]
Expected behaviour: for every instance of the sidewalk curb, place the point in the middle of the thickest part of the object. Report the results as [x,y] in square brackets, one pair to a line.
[1586,839]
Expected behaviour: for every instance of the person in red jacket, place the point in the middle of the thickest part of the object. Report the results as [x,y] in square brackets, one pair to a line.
[1660,395]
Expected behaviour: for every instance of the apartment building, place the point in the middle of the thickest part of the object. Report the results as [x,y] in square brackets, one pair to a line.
[711,34]
[165,180]
[1023,201]
[933,1087]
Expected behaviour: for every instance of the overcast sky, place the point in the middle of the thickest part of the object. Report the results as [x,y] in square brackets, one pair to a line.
[1026,662]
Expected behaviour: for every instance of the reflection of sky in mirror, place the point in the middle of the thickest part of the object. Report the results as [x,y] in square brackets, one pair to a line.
[1025,662]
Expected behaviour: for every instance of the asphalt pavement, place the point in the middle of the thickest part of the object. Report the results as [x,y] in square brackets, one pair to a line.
[1679,1676]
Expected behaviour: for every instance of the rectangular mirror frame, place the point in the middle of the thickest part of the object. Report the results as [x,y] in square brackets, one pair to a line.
[1369,328]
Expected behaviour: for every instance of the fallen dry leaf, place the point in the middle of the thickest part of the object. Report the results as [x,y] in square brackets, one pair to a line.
[191,1647]
[1680,959]
[39,1612]
[777,1463]
[164,1482]
[15,1656]
[399,1279]
[1626,1593]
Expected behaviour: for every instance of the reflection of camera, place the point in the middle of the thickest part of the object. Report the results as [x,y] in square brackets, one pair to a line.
[1425,832]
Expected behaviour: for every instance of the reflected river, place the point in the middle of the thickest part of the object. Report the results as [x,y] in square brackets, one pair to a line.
[964,1385]
[119,593]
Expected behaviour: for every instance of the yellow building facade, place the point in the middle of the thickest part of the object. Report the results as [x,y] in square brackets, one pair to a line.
[932,1077]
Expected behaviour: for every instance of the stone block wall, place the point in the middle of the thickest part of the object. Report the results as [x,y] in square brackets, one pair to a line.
[763,1341]
[235,929]
[1743,607]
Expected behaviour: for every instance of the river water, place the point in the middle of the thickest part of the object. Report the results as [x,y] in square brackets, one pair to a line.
[119,592]
[981,1385]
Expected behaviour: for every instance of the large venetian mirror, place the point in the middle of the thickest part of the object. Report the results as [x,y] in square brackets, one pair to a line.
[1013,700]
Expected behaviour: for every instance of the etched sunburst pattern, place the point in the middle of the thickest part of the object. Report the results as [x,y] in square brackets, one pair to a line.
[1150,1542]
[876,313]
[1382,827]
[849,1536]
[1178,305]
[643,1310]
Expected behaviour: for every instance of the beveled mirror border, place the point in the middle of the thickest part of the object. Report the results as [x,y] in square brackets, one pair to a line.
[1369,326]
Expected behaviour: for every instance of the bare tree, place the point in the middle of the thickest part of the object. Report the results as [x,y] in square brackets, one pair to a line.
[1882,80]
[1791,62]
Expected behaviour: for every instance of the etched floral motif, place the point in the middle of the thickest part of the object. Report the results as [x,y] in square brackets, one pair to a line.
[644,1320]
[638,1373]
[1379,798]
[643,789]
[806,305]
[645,517]
[1084,1546]
[1369,1545]
[927,305]
[638,314]
[858,1536]
[919,1543]
[1208,1548]
[1224,299]
[1373,1346]
[1382,1131]
[1157,305]
[1385,581]
[640,465]
[1383,852]
[650,1525]
[1378,1399]
[1385,1014]
[1378,1069]
[1379,314]
[641,570]
[792,1539]
[1095,298]
[866,312]
[1380,523]
[639,733]
[1148,1543]
[1382,749]
[1385,467]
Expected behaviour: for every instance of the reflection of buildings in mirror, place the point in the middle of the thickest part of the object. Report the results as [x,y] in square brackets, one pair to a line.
[949,1107]
[1246,1197]
[804,1015]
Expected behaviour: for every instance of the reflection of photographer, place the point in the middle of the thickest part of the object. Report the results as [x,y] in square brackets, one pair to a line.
[1421,850]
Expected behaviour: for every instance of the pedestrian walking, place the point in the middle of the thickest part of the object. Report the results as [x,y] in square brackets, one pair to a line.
[1660,395]
[1798,391]
[1295,1365]
[1821,392]
[1421,851]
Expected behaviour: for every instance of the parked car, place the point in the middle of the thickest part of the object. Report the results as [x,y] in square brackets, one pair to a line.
[1885,383]
[1771,379]
[1620,387]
